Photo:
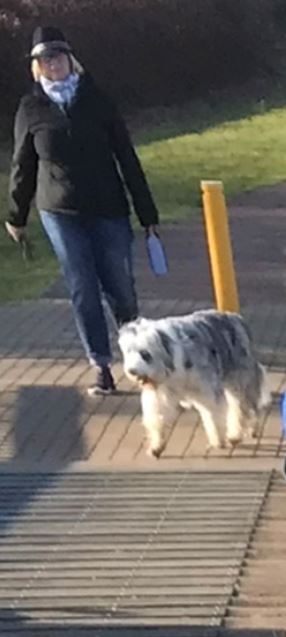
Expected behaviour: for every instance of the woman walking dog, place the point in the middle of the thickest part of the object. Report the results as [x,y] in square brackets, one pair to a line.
[73,150]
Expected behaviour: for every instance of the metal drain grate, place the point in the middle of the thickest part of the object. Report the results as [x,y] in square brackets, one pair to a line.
[122,550]
[260,602]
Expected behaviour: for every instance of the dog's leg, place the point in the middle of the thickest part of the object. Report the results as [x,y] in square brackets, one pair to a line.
[264,398]
[213,414]
[257,413]
[234,418]
[158,411]
[259,403]
[253,423]
[254,399]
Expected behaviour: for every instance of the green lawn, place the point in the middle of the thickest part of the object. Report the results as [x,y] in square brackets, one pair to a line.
[244,154]
[20,279]
[177,152]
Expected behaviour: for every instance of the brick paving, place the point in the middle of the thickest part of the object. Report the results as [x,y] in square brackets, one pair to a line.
[48,420]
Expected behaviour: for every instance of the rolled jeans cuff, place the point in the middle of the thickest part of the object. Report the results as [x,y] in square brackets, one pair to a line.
[99,361]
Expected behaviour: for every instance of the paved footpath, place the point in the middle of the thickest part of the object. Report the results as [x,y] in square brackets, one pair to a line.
[98,539]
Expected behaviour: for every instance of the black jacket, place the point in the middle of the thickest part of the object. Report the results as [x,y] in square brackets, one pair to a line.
[79,160]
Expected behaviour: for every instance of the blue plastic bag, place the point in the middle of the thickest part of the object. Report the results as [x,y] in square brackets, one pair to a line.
[283,414]
[157,256]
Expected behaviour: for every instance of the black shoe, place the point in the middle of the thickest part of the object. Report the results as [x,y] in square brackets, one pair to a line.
[104,383]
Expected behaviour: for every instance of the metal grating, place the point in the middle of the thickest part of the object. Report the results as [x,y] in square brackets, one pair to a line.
[131,551]
[260,600]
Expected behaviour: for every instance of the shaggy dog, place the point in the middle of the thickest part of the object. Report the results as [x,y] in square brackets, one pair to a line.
[205,360]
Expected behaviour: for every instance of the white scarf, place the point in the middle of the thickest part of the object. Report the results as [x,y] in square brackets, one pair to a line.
[62,91]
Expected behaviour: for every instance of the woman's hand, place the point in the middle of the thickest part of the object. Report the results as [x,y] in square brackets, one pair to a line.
[152,230]
[18,234]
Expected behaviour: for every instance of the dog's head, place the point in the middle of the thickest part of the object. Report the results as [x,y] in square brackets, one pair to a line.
[147,352]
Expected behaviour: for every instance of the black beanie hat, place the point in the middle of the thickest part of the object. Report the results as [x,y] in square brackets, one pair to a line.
[48,40]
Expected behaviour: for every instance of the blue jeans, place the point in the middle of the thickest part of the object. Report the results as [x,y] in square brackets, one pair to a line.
[95,255]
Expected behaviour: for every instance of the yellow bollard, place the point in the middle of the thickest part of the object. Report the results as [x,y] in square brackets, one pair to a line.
[219,245]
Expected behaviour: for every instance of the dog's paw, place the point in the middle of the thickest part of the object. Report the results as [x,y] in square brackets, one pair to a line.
[234,439]
[155,452]
[252,432]
[215,445]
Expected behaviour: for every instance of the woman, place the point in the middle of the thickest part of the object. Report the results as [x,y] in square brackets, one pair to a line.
[73,150]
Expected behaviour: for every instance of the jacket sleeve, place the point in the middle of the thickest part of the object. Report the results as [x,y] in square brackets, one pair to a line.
[23,174]
[131,170]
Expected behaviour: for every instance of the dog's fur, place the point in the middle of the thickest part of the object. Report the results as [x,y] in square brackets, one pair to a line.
[205,360]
